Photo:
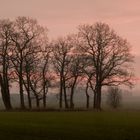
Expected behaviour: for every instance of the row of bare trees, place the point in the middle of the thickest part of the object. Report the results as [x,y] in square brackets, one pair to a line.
[92,58]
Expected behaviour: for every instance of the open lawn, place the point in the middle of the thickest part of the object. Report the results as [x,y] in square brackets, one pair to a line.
[70,126]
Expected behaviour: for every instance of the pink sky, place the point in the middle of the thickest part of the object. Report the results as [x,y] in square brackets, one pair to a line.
[63,16]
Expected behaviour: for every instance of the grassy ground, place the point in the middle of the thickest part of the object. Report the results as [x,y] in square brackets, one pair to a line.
[70,126]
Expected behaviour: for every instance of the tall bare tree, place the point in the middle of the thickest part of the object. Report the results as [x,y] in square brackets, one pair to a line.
[26,30]
[74,74]
[62,58]
[40,79]
[46,75]
[111,57]
[5,44]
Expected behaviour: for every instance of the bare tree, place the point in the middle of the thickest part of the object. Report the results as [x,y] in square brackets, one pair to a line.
[62,58]
[30,67]
[5,44]
[114,97]
[74,74]
[40,81]
[25,31]
[111,57]
[45,71]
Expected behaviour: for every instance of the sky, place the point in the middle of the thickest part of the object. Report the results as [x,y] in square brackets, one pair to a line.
[62,17]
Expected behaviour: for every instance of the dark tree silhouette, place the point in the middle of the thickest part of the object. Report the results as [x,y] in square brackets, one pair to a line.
[74,75]
[111,57]
[96,56]
[26,30]
[62,58]
[5,44]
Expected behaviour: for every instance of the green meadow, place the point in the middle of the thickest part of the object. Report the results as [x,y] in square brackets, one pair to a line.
[70,125]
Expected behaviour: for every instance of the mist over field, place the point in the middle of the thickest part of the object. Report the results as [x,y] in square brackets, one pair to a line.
[130,100]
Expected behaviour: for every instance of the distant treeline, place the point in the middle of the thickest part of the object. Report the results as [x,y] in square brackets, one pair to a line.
[93,57]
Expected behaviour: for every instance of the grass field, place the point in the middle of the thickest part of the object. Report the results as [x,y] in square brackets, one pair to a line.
[70,126]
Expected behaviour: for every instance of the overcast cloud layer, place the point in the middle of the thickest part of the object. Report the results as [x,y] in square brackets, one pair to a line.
[63,16]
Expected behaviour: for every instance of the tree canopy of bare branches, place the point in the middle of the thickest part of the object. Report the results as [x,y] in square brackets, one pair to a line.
[110,55]
[93,57]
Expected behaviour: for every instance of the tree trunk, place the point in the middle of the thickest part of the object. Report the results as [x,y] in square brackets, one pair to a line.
[87,102]
[65,95]
[28,91]
[22,104]
[98,97]
[37,102]
[87,97]
[5,96]
[27,87]
[44,100]
[45,91]
[72,93]
[94,99]
[9,106]
[61,92]
[71,98]
[44,96]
